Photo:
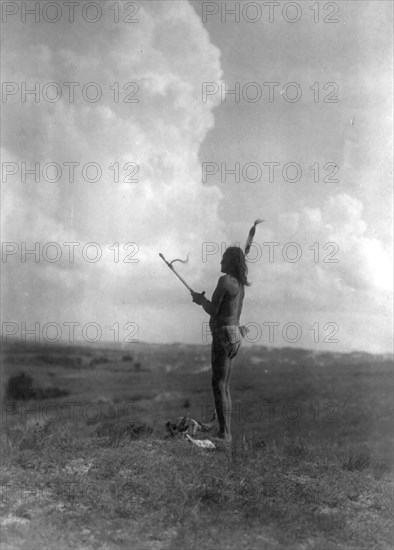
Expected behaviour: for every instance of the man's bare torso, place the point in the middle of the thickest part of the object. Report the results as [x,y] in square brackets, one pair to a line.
[228,300]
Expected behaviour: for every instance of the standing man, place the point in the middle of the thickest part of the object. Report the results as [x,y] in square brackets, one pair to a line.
[225,310]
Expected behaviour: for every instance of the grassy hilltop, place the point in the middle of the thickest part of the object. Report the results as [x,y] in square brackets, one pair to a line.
[87,465]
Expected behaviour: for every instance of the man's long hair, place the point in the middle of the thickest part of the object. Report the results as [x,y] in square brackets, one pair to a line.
[238,269]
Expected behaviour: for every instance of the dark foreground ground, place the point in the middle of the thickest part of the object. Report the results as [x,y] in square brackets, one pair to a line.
[86,462]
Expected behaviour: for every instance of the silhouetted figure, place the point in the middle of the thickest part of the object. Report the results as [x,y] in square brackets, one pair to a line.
[225,310]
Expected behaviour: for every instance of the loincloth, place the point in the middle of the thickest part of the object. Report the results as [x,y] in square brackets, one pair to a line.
[229,337]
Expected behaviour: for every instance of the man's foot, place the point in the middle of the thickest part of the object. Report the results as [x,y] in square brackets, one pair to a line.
[223,438]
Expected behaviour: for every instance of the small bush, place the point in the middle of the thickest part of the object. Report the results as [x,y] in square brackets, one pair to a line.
[98,361]
[20,388]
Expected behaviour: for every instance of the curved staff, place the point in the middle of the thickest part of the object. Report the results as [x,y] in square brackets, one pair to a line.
[225,310]
[175,272]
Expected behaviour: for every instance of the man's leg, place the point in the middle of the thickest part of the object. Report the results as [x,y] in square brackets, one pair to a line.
[220,374]
[232,348]
[228,396]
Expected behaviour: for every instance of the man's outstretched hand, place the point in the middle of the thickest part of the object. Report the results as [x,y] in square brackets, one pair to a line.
[198,297]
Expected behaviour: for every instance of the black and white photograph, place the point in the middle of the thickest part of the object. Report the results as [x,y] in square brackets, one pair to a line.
[197,275]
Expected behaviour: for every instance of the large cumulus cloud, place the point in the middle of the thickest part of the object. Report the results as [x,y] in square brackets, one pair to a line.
[168,54]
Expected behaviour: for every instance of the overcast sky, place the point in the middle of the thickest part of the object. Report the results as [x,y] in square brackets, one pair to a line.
[168,135]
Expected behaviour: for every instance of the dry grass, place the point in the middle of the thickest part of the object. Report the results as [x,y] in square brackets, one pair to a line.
[119,483]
